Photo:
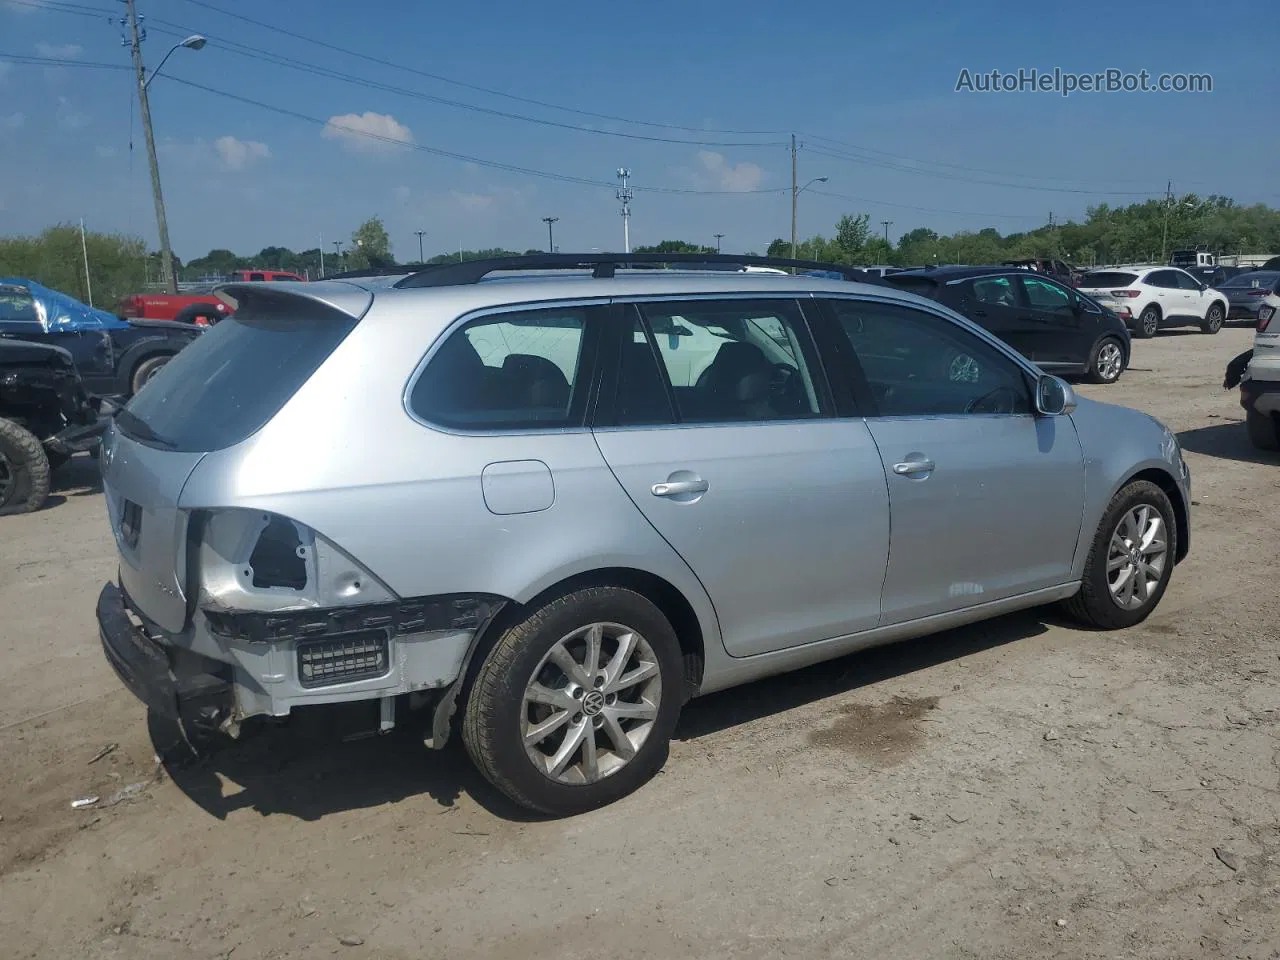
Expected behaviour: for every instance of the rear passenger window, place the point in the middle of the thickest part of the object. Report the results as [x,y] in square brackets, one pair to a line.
[642,395]
[511,371]
[997,291]
[735,360]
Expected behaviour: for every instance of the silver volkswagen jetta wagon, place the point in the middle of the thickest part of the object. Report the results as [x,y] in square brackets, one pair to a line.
[546,507]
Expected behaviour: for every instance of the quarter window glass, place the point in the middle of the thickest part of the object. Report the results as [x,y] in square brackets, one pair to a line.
[997,291]
[642,396]
[1044,295]
[734,360]
[918,364]
[510,371]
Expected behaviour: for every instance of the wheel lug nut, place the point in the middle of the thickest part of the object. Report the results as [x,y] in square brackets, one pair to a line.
[577,693]
[600,681]
[611,699]
[577,718]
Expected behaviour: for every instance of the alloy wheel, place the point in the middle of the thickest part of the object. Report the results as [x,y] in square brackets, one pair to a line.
[591,703]
[1109,362]
[1137,557]
[1215,318]
[1150,323]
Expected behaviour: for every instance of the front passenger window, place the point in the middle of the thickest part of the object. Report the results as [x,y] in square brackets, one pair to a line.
[918,364]
[1044,295]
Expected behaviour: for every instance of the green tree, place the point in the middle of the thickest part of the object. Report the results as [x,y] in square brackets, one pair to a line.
[675,246]
[370,246]
[851,235]
[55,259]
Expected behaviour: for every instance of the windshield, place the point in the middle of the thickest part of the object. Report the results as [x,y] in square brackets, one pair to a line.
[1107,278]
[1253,280]
[235,376]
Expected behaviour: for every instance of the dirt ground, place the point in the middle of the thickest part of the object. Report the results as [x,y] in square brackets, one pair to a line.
[1015,789]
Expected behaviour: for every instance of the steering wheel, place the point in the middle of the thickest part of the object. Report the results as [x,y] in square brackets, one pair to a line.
[783,375]
[1002,399]
[962,368]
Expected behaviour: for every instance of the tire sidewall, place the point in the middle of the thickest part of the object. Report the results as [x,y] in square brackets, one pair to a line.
[504,691]
[1212,323]
[1142,322]
[27,468]
[148,368]
[1135,494]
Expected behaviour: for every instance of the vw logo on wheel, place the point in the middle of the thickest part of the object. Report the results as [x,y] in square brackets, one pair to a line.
[593,703]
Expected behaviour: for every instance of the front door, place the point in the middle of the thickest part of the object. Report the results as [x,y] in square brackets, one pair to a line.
[1052,313]
[985,497]
[1195,302]
[735,459]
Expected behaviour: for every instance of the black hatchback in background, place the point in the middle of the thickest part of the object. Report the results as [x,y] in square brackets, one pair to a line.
[1057,328]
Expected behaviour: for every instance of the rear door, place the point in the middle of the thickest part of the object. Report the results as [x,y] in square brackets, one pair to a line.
[1058,325]
[986,498]
[720,429]
[997,304]
[1164,286]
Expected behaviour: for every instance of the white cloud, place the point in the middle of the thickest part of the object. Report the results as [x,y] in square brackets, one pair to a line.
[739,177]
[59,51]
[105,152]
[13,121]
[238,154]
[368,132]
[68,117]
[473,202]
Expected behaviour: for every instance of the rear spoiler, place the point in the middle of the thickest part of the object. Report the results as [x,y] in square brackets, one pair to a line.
[347,298]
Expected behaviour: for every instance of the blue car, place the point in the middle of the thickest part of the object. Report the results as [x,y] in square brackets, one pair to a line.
[114,356]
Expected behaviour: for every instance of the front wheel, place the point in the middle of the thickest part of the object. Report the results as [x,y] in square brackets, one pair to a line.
[1213,319]
[1264,430]
[1130,560]
[574,706]
[24,470]
[1108,362]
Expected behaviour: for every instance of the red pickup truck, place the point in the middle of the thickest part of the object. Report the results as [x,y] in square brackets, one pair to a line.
[200,307]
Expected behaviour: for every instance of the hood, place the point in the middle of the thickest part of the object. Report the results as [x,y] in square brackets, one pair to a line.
[25,353]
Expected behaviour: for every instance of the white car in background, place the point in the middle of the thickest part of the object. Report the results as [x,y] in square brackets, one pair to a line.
[1149,298]
[1258,373]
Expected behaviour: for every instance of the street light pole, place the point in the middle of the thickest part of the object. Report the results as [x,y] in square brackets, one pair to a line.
[551,237]
[886,224]
[419,234]
[719,237]
[337,249]
[135,45]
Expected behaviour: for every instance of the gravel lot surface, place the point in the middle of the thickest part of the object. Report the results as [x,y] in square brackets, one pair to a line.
[1015,789]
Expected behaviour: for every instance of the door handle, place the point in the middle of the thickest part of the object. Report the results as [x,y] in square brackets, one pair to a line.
[908,467]
[676,488]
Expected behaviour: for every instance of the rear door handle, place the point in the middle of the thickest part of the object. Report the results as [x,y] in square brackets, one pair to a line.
[676,488]
[908,467]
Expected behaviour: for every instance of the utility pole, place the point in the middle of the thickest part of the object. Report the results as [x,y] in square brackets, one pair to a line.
[84,249]
[624,195]
[322,255]
[886,224]
[551,237]
[166,251]
[1168,202]
[795,195]
[419,234]
[719,237]
[337,249]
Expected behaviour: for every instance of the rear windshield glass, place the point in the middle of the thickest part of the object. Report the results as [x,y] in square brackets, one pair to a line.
[1251,280]
[1107,278]
[236,375]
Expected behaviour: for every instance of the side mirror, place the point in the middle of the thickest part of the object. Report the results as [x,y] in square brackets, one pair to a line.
[1204,287]
[1054,397]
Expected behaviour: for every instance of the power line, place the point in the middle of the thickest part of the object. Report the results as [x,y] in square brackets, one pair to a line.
[908,206]
[471,86]
[449,154]
[257,53]
[52,6]
[61,62]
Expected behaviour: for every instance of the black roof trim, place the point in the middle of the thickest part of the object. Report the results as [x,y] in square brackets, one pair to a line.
[605,265]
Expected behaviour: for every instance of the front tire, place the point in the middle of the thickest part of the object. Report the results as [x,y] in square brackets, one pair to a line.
[24,470]
[574,706]
[1264,430]
[1148,323]
[1213,319]
[1130,560]
[1108,361]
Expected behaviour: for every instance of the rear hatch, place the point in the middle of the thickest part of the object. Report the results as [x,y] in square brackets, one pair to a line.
[216,393]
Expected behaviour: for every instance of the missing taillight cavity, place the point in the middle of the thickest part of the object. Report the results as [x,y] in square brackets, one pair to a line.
[279,557]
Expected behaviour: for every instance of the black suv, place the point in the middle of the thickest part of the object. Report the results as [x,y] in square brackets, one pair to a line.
[45,417]
[1059,329]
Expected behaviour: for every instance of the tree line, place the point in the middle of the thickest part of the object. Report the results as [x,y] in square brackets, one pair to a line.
[1148,231]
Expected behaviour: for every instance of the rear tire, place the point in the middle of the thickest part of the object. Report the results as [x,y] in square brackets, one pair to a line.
[1108,361]
[1213,319]
[147,369]
[1127,542]
[521,687]
[1264,430]
[1148,323]
[24,470]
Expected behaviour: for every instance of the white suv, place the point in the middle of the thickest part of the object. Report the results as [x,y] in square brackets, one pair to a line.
[1150,297]
[1260,385]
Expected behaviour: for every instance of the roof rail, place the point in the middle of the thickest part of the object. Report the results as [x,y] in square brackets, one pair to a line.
[605,265]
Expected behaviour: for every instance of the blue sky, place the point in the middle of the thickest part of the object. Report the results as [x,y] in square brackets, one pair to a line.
[877,78]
